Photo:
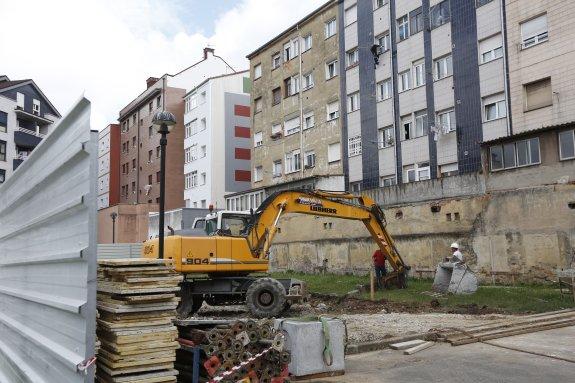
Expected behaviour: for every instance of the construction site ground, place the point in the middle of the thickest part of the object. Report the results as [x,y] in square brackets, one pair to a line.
[546,356]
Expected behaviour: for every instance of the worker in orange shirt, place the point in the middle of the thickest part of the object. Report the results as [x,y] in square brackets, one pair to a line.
[378,258]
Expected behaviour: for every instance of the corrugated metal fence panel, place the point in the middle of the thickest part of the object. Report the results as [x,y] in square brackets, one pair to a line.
[119,250]
[48,257]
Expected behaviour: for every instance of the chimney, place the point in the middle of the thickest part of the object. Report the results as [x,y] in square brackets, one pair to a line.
[206,50]
[151,81]
[4,78]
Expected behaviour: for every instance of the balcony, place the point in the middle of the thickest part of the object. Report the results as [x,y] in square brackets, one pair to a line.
[26,116]
[27,138]
[16,162]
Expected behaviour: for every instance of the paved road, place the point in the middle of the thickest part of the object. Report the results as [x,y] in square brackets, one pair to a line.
[472,363]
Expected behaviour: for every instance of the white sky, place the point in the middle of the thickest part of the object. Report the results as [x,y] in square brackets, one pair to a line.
[107,48]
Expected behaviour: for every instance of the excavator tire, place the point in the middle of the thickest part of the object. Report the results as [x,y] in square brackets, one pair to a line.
[188,303]
[266,298]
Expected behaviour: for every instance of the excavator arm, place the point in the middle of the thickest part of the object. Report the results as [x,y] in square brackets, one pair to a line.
[327,204]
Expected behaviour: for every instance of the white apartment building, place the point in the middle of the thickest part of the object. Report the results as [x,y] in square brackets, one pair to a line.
[217,144]
[108,166]
[26,117]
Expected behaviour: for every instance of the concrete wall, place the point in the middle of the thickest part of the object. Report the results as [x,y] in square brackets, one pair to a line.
[527,233]
[131,223]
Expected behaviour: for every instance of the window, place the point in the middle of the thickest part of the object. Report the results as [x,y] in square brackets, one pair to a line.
[277,168]
[416,21]
[258,173]
[352,57]
[387,181]
[440,14]
[150,179]
[187,155]
[3,122]
[403,28]
[36,107]
[538,94]
[277,130]
[494,107]
[276,95]
[308,81]
[203,179]
[150,131]
[291,86]
[534,31]
[258,139]
[379,3]
[20,98]
[257,71]
[134,164]
[291,126]
[188,180]
[407,128]
[418,73]
[417,172]
[276,60]
[333,152]
[384,42]
[420,123]
[307,43]
[158,176]
[355,187]
[291,49]
[308,120]
[332,110]
[403,82]
[203,124]
[158,101]
[3,151]
[134,141]
[2,176]
[443,67]
[292,161]
[350,15]
[258,105]
[309,159]
[134,187]
[134,119]
[446,121]
[203,151]
[331,69]
[191,128]
[330,28]
[567,145]
[157,152]
[354,146]
[515,154]
[449,170]
[353,102]
[191,179]
[150,107]
[490,49]
[479,3]
[384,90]
[150,155]
[386,137]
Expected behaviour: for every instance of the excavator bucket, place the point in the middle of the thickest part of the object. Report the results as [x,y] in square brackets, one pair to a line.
[455,278]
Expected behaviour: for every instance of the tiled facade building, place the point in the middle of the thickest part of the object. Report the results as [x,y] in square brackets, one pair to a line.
[109,166]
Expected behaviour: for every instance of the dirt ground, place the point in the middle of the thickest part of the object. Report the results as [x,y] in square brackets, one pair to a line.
[373,321]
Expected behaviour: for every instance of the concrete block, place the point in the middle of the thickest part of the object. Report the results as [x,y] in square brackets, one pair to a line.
[306,342]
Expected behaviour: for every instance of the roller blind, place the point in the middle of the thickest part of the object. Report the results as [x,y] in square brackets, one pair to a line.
[534,27]
[538,94]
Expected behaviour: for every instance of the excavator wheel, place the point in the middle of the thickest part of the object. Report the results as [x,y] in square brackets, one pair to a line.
[188,303]
[266,298]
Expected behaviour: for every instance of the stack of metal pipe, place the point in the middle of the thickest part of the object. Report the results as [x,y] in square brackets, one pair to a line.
[244,350]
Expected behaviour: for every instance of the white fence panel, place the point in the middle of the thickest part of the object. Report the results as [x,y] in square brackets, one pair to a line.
[48,257]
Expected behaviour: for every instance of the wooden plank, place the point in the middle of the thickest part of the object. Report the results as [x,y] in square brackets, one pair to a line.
[174,278]
[135,377]
[135,363]
[118,262]
[406,345]
[418,348]
[131,370]
[109,326]
[113,289]
[130,349]
[137,357]
[138,309]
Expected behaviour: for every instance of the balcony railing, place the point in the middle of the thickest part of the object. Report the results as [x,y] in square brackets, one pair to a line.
[32,133]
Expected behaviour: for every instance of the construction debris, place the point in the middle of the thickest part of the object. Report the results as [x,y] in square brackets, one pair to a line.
[406,345]
[136,305]
[505,328]
[420,347]
[455,278]
[232,351]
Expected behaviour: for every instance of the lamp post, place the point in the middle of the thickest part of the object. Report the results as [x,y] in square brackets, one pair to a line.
[114,215]
[164,121]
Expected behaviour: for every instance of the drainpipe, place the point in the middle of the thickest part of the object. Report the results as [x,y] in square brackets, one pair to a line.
[505,65]
[301,155]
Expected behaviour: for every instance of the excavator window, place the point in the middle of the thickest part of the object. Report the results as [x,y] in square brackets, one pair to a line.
[211,226]
[234,225]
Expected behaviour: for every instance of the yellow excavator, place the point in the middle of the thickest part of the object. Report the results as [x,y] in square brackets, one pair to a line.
[218,255]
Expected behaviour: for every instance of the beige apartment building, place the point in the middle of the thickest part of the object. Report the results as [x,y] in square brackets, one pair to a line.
[295,104]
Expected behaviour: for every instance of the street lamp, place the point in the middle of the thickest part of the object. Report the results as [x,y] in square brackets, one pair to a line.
[114,215]
[164,121]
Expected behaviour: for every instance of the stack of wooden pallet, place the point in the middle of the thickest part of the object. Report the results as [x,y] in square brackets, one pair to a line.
[136,305]
[506,327]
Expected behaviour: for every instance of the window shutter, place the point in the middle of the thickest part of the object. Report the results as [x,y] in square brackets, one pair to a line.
[333,152]
[490,43]
[534,27]
[538,94]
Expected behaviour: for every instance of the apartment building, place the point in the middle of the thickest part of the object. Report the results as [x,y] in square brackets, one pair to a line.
[296,104]
[217,143]
[140,142]
[26,117]
[541,145]
[109,166]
